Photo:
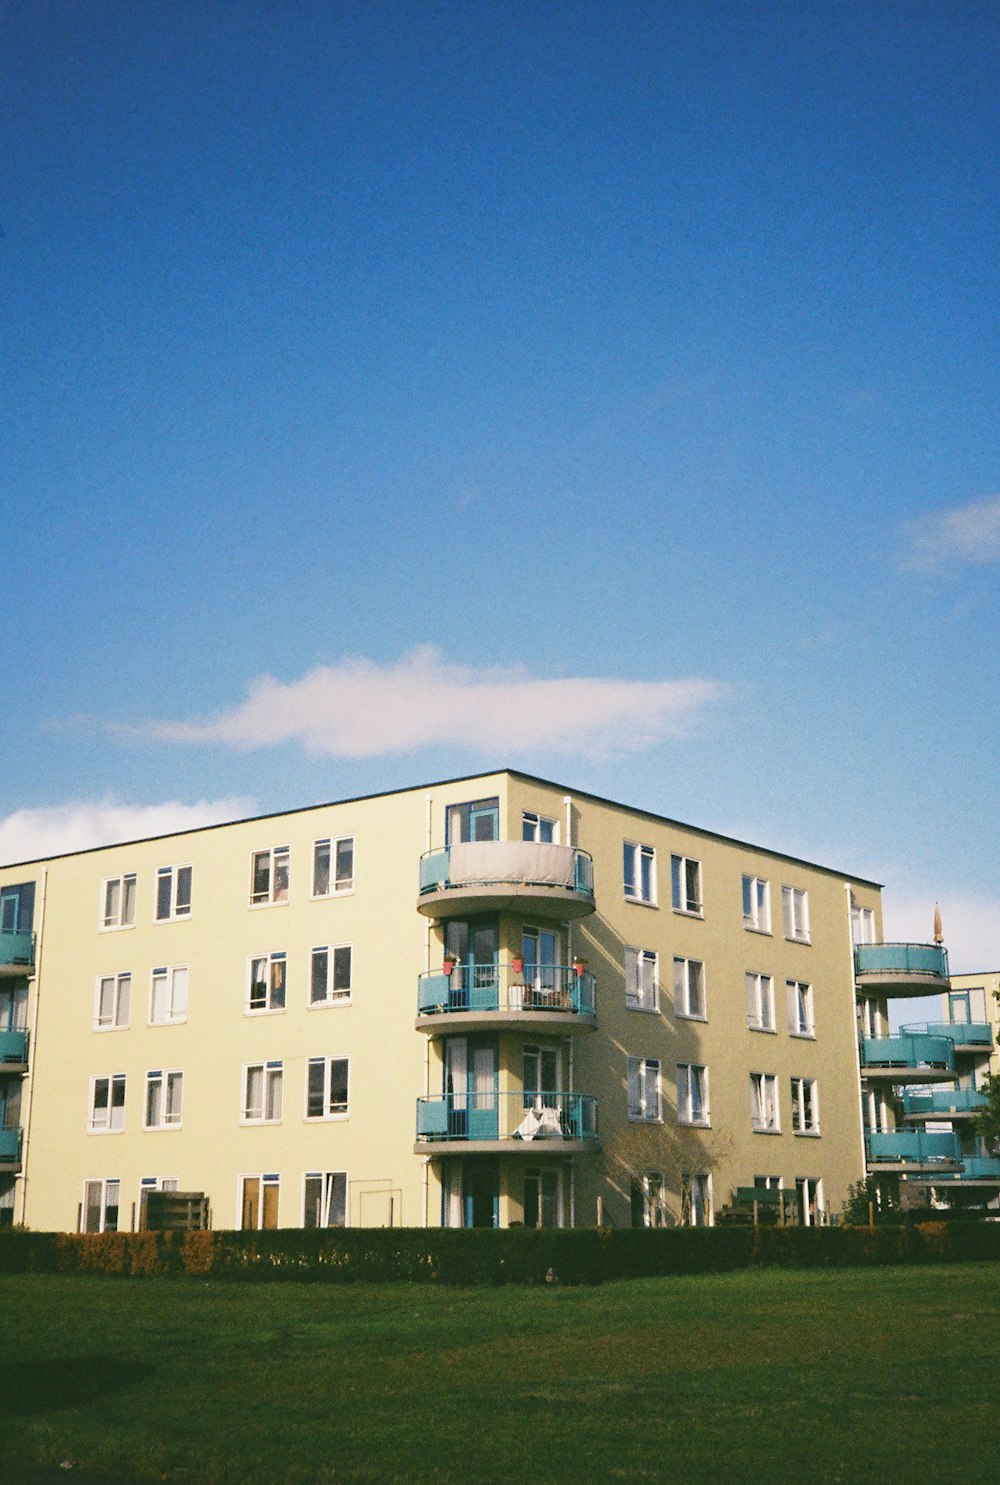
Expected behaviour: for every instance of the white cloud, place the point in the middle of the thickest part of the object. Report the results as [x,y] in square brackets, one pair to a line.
[27,835]
[966,533]
[360,709]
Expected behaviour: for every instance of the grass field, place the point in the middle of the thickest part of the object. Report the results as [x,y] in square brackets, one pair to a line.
[844,1375]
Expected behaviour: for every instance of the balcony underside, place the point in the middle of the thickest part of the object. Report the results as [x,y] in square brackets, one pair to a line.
[539,899]
[534,1149]
[565,1023]
[912,1074]
[905,984]
[913,1167]
[933,1116]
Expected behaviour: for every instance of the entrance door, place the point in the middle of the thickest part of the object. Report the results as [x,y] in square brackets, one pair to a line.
[482,1193]
[475,949]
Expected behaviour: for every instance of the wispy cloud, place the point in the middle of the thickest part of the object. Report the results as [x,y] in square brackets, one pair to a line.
[963,534]
[27,835]
[360,709]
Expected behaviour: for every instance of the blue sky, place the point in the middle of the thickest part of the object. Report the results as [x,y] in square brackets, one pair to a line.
[608,390]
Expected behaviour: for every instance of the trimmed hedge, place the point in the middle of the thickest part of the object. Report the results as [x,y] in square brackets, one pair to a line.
[490,1256]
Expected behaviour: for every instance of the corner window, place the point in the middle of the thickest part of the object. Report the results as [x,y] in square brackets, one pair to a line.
[644,1089]
[640,980]
[168,995]
[795,913]
[805,1106]
[118,902]
[326,1087]
[692,1094]
[760,1002]
[173,893]
[325,1199]
[100,1205]
[801,1021]
[685,885]
[262,1085]
[269,876]
[112,1002]
[164,1099]
[756,904]
[639,864]
[330,979]
[689,989]
[266,988]
[107,1104]
[333,866]
[538,827]
[764,1103]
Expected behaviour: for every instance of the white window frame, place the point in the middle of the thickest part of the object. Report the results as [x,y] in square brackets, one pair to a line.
[765,1113]
[760,1002]
[680,897]
[795,914]
[651,1186]
[805,1107]
[264,1105]
[337,885]
[335,957]
[801,1009]
[645,1098]
[686,973]
[121,1001]
[169,1105]
[175,977]
[128,890]
[542,828]
[110,1119]
[278,864]
[276,995]
[639,873]
[329,1181]
[692,1095]
[331,1110]
[862,923]
[105,1183]
[179,881]
[810,1187]
[703,1202]
[756,904]
[269,1181]
[642,980]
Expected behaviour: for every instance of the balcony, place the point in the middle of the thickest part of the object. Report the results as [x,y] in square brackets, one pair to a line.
[516,1123]
[965,1036]
[913,1150]
[943,1103]
[908,1059]
[901,969]
[497,876]
[17,953]
[13,1050]
[550,996]
[10,1149]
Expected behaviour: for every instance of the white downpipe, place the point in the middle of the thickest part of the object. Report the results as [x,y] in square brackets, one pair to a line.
[427,921]
[568,802]
[32,1054]
[857,1044]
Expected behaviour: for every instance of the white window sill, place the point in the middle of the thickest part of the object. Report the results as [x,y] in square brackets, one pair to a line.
[337,892]
[254,1123]
[763,1129]
[276,902]
[326,1118]
[695,1123]
[645,1118]
[698,913]
[174,1021]
[161,1128]
[690,1016]
[768,1030]
[115,927]
[104,1131]
[803,1036]
[329,1005]
[647,1010]
[806,1134]
[797,938]
[278,1010]
[753,928]
[641,901]
[102,1029]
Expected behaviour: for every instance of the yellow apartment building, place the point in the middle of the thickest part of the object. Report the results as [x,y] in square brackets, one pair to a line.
[485,1001]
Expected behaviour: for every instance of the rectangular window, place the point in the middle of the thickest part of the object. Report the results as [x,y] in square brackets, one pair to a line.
[326,1087]
[764,1103]
[640,980]
[100,1206]
[479,819]
[692,1094]
[266,987]
[685,884]
[689,989]
[640,872]
[696,1200]
[112,1002]
[168,995]
[760,1002]
[262,1093]
[644,1089]
[862,923]
[164,1100]
[325,1199]
[801,1021]
[269,876]
[649,1208]
[330,977]
[118,902]
[107,1104]
[333,866]
[805,1106]
[809,1198]
[756,904]
[258,1202]
[795,913]
[537,827]
[173,893]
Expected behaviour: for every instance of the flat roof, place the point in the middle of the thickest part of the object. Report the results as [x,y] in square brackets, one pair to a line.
[516,773]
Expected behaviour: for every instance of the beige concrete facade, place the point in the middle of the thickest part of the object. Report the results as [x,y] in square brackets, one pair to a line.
[274,1144]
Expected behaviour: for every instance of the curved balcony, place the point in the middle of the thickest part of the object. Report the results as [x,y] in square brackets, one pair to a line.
[908,1059]
[17,953]
[10,1149]
[13,1050]
[497,876]
[913,1150]
[514,1123]
[977,1170]
[550,996]
[943,1103]
[901,969]
[965,1036]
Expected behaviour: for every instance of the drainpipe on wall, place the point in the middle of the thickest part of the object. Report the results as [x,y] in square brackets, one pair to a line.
[854,1023]
[32,1045]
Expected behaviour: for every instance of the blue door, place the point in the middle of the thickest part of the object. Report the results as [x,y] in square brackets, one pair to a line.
[475,948]
[481,1193]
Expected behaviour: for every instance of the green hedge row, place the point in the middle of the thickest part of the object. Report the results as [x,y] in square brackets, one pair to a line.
[511,1256]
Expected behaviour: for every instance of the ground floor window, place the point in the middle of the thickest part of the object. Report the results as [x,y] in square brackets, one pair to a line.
[325,1199]
[809,1195]
[543,1196]
[648,1200]
[696,1200]
[258,1202]
[6,1201]
[100,1205]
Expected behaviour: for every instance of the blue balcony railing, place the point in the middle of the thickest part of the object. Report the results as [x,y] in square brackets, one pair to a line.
[908,1051]
[507,863]
[901,960]
[535,1118]
[966,1033]
[499,987]
[912,1146]
[939,1103]
[17,949]
[13,1046]
[10,1146]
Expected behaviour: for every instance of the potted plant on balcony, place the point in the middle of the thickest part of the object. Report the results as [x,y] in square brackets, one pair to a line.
[517,963]
[449,963]
[579,965]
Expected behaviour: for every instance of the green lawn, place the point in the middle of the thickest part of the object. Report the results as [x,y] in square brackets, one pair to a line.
[771,1376]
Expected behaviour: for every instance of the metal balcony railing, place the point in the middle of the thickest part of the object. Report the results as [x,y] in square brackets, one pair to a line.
[966,1033]
[939,1103]
[913,1146]
[17,949]
[536,1118]
[500,987]
[13,1046]
[908,1051]
[499,863]
[901,960]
